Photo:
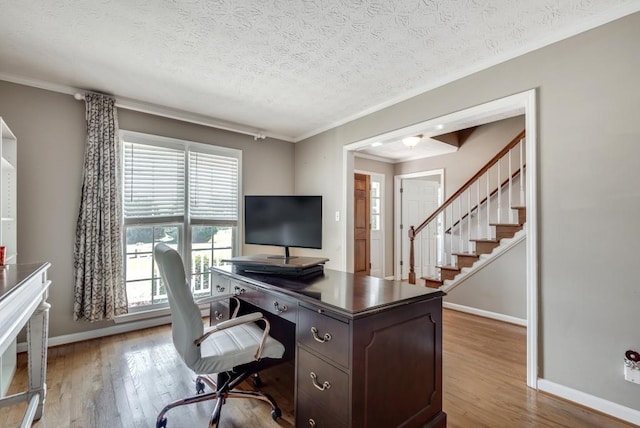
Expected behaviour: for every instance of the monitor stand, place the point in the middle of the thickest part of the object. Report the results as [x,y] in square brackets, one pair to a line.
[286,256]
[268,264]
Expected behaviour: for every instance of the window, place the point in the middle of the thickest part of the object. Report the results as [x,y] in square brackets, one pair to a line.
[181,193]
[376,212]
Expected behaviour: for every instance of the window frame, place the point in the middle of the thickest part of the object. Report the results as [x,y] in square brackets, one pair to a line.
[184,222]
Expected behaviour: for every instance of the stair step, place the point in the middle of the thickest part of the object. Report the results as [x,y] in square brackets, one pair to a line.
[505,230]
[485,246]
[448,272]
[522,213]
[466,259]
[432,282]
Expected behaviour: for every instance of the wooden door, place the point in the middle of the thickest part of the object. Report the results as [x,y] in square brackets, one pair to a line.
[361,221]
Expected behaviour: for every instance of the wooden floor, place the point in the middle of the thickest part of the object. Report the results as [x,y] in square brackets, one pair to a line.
[124,381]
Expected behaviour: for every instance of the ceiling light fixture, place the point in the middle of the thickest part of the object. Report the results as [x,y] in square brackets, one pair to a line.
[412,141]
[376,144]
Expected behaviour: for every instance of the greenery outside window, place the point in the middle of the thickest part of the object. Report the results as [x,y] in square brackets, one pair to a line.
[185,195]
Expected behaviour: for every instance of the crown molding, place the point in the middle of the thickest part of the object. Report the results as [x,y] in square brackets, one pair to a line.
[153,109]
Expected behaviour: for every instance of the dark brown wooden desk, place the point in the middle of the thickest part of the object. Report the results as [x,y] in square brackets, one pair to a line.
[368,351]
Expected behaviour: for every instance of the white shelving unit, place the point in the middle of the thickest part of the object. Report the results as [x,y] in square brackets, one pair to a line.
[8,231]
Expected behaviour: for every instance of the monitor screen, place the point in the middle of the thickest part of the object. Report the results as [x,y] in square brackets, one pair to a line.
[285,221]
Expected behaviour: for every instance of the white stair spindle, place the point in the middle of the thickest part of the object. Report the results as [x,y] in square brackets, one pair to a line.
[469,220]
[440,240]
[450,236]
[427,230]
[419,257]
[510,190]
[460,248]
[521,143]
[477,233]
[488,206]
[499,190]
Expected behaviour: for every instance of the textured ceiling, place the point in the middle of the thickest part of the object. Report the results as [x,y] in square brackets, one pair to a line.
[286,68]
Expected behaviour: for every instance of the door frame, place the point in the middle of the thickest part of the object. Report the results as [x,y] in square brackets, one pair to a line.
[383,230]
[397,210]
[509,106]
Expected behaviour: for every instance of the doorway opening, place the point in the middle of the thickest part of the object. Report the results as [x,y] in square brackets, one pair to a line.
[378,224]
[519,104]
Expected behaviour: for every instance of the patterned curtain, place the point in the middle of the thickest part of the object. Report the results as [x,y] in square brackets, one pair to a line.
[100,291]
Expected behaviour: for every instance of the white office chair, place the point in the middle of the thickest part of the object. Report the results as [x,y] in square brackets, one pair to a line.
[233,349]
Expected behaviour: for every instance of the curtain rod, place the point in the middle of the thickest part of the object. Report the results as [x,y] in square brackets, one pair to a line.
[141,107]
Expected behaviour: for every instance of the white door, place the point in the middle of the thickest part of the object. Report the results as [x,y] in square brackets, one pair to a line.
[419,198]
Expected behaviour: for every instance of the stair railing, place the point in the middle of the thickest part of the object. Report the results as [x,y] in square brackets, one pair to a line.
[449,229]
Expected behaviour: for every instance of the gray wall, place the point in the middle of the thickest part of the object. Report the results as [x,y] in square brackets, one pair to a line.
[588,200]
[385,169]
[500,287]
[51,131]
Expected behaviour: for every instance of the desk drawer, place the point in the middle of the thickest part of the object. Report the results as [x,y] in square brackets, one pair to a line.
[274,304]
[325,335]
[220,285]
[322,400]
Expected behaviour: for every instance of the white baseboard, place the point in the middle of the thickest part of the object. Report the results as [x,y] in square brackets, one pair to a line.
[486,314]
[601,405]
[107,331]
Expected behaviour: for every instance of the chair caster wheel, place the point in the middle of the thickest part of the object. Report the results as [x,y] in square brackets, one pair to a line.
[162,423]
[199,387]
[276,414]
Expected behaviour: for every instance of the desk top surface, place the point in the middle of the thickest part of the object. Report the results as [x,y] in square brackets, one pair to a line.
[344,292]
[13,276]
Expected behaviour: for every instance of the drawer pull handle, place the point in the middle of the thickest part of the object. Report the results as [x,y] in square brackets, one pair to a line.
[325,338]
[312,423]
[219,289]
[280,309]
[314,379]
[239,290]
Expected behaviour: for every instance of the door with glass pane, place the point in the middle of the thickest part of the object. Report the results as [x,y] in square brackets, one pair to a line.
[377,229]
[361,221]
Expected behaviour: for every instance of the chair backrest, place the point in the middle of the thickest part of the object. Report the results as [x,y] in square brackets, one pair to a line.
[186,319]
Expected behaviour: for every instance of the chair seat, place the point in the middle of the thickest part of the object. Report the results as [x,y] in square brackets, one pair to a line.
[234,346]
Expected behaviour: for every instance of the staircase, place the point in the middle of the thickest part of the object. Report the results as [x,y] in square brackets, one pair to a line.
[485,212]
[503,232]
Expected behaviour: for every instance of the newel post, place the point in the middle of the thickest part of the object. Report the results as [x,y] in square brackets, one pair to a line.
[412,273]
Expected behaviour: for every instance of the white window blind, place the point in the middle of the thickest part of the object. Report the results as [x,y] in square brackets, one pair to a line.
[213,188]
[153,181]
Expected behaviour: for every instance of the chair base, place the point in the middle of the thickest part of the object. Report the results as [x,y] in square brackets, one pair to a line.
[227,382]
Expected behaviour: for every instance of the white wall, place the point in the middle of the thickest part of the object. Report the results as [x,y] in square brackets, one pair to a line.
[589,199]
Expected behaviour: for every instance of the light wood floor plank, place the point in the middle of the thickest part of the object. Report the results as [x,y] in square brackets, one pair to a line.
[124,381]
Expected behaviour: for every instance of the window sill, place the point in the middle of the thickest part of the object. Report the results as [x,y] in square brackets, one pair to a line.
[142,315]
[152,313]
